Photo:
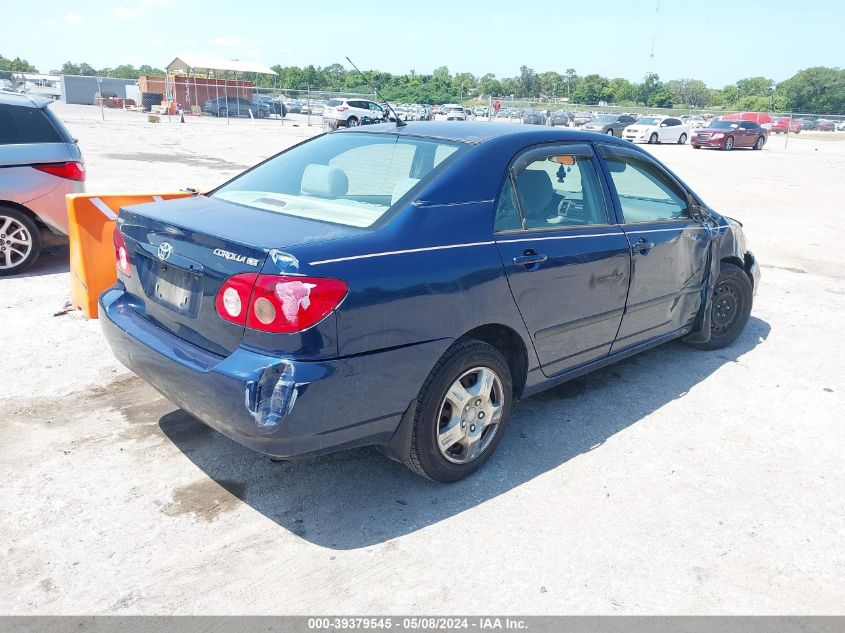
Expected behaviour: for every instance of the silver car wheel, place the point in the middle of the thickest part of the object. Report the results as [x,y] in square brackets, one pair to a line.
[469,415]
[15,242]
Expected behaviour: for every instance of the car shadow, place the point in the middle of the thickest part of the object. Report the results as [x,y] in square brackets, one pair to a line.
[52,260]
[358,498]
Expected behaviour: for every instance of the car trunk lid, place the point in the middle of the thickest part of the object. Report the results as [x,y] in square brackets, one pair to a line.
[183,250]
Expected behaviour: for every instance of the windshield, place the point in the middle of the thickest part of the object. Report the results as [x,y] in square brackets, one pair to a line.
[349,179]
[724,125]
[649,120]
[607,118]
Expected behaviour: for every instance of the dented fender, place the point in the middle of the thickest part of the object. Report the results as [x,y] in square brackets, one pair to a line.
[727,243]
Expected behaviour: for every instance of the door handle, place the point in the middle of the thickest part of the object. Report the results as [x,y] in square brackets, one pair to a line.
[529,258]
[642,245]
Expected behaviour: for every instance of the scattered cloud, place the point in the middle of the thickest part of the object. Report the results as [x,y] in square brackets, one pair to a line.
[157,42]
[228,41]
[74,18]
[191,41]
[51,23]
[253,53]
[125,13]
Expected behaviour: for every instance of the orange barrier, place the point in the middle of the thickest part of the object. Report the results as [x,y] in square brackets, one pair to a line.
[91,220]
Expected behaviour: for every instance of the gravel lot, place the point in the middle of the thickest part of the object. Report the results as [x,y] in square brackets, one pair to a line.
[678,481]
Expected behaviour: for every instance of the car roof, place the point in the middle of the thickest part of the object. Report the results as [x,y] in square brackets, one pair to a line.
[23,100]
[479,132]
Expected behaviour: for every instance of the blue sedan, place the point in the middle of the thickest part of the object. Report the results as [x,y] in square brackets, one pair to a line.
[405,286]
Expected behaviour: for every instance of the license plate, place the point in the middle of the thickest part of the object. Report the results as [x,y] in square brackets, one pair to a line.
[175,289]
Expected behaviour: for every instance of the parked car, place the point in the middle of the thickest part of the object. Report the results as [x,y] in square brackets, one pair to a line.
[235,107]
[562,118]
[657,129]
[274,106]
[727,134]
[612,124]
[456,113]
[39,163]
[294,107]
[808,123]
[351,112]
[781,124]
[582,118]
[534,117]
[694,122]
[826,125]
[285,308]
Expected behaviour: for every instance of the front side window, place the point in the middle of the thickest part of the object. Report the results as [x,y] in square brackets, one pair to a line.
[645,193]
[349,179]
[557,190]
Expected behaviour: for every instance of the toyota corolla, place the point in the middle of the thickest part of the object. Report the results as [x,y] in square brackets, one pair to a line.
[405,286]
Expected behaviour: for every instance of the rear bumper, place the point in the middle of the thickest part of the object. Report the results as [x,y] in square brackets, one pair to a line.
[278,406]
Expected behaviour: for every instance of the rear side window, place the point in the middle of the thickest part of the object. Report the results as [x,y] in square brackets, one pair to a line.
[333,103]
[19,125]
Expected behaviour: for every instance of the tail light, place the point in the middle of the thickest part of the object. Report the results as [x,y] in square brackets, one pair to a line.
[121,254]
[278,303]
[71,171]
[342,108]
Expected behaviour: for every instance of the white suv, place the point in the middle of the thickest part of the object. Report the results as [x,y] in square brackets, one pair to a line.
[350,112]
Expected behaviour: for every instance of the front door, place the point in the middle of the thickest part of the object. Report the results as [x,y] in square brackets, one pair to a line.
[669,262]
[567,266]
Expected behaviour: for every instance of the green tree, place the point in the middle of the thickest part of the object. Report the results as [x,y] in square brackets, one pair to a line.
[622,90]
[818,89]
[755,86]
[528,82]
[592,89]
[17,65]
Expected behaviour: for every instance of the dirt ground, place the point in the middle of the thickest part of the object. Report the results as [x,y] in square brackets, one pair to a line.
[676,482]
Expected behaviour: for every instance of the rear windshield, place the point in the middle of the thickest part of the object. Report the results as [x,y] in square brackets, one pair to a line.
[19,125]
[333,102]
[649,120]
[351,179]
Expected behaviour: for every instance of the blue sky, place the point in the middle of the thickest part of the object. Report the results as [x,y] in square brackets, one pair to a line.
[743,38]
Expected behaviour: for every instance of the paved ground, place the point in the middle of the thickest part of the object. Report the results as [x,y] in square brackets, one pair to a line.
[679,481]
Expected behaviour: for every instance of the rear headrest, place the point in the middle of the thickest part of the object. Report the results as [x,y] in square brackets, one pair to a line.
[402,186]
[324,181]
[535,189]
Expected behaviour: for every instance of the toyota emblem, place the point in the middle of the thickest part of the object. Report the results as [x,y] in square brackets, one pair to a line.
[164,250]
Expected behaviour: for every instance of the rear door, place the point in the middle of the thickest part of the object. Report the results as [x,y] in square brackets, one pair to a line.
[669,262]
[748,133]
[567,265]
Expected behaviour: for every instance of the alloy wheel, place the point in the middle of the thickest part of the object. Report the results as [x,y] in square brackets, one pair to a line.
[469,415]
[15,242]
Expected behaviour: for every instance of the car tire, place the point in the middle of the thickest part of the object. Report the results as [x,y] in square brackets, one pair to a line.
[696,146]
[729,144]
[352,121]
[438,419]
[682,139]
[222,112]
[16,227]
[652,140]
[610,132]
[733,296]
[759,144]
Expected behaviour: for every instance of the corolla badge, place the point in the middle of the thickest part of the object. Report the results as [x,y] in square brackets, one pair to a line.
[164,250]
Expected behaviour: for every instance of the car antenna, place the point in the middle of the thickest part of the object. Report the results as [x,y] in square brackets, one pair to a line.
[399,122]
